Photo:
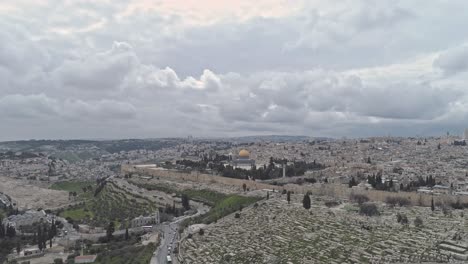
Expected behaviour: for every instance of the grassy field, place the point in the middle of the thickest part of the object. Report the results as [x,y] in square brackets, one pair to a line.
[76,186]
[72,186]
[155,187]
[78,214]
[228,205]
[205,196]
[225,206]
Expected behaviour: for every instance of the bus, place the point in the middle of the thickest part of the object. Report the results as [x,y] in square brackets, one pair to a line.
[169,260]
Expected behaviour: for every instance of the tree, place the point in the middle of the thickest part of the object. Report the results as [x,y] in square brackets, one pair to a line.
[18,247]
[2,229]
[11,231]
[110,230]
[306,201]
[39,238]
[244,186]
[432,205]
[53,229]
[402,219]
[50,234]
[44,237]
[288,197]
[185,202]
[127,236]
[352,182]
[359,198]
[368,209]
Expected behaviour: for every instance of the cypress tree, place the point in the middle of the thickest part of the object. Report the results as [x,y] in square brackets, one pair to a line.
[2,230]
[39,238]
[18,247]
[306,201]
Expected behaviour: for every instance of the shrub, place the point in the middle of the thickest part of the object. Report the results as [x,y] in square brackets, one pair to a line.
[201,232]
[459,205]
[359,198]
[368,209]
[237,215]
[331,203]
[446,210]
[402,219]
[401,201]
[418,222]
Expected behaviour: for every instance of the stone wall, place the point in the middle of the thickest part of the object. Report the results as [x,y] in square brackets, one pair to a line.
[332,190]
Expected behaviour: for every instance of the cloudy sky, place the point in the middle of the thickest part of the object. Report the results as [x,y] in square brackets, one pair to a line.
[158,68]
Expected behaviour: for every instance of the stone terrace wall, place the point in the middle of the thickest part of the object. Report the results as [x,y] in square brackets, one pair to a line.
[332,190]
[343,192]
[198,177]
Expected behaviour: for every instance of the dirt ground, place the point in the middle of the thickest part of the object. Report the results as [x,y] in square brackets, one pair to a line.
[28,196]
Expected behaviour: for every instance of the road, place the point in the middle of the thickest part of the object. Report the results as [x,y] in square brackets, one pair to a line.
[170,236]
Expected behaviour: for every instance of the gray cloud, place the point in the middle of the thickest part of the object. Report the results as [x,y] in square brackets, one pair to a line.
[453,60]
[355,68]
[27,106]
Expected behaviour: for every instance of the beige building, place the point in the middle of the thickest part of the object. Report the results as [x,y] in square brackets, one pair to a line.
[146,220]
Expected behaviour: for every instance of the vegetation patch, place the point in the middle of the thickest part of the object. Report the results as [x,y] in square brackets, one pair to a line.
[127,255]
[82,189]
[111,204]
[228,205]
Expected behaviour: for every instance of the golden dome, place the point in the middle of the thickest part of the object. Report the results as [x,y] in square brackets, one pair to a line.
[244,154]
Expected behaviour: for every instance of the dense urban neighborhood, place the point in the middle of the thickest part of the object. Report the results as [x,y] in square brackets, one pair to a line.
[234,200]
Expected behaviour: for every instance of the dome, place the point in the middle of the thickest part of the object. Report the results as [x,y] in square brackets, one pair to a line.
[244,154]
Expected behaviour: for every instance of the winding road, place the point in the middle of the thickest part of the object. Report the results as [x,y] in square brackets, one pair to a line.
[170,236]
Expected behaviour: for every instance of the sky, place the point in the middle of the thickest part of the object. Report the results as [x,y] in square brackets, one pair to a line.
[173,68]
